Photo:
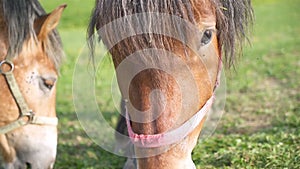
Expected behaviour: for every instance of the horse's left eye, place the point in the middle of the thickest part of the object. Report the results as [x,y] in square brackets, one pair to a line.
[207,36]
[49,83]
[46,84]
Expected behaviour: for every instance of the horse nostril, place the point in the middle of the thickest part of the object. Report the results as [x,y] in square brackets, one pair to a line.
[28,165]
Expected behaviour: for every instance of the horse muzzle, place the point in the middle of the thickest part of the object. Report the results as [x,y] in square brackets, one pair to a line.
[32,149]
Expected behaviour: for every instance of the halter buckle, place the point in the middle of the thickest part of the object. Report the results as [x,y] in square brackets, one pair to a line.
[29,117]
[9,64]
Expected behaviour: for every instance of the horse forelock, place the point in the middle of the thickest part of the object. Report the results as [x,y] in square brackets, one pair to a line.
[232,17]
[18,17]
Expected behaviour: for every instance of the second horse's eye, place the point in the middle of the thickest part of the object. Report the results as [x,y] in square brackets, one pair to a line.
[207,36]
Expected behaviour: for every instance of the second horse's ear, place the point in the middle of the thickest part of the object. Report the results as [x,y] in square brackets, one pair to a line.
[45,24]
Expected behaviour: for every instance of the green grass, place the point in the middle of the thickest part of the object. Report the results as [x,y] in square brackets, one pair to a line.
[260,128]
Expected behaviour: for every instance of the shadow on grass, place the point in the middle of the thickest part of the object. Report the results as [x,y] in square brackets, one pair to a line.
[76,150]
[86,156]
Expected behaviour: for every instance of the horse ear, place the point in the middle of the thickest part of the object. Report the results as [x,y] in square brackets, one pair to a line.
[45,24]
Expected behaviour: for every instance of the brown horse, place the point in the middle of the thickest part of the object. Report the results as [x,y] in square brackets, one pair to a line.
[168,55]
[30,55]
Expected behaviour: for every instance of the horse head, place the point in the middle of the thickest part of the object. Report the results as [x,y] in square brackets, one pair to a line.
[30,55]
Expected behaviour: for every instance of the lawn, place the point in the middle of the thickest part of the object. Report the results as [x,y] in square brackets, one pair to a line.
[260,126]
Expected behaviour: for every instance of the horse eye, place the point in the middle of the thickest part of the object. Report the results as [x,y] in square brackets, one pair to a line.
[47,83]
[206,38]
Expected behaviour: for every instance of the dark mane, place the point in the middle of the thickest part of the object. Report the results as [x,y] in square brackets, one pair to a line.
[19,17]
[233,19]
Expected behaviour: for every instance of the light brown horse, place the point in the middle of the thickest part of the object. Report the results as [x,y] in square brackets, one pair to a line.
[167,55]
[30,55]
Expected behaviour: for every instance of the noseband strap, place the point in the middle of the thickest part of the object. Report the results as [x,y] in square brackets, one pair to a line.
[178,134]
[27,116]
[171,137]
[37,120]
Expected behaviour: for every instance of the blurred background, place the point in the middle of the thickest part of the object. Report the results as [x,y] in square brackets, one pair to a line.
[261,124]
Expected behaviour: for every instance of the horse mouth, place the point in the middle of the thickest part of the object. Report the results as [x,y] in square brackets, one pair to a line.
[28,165]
